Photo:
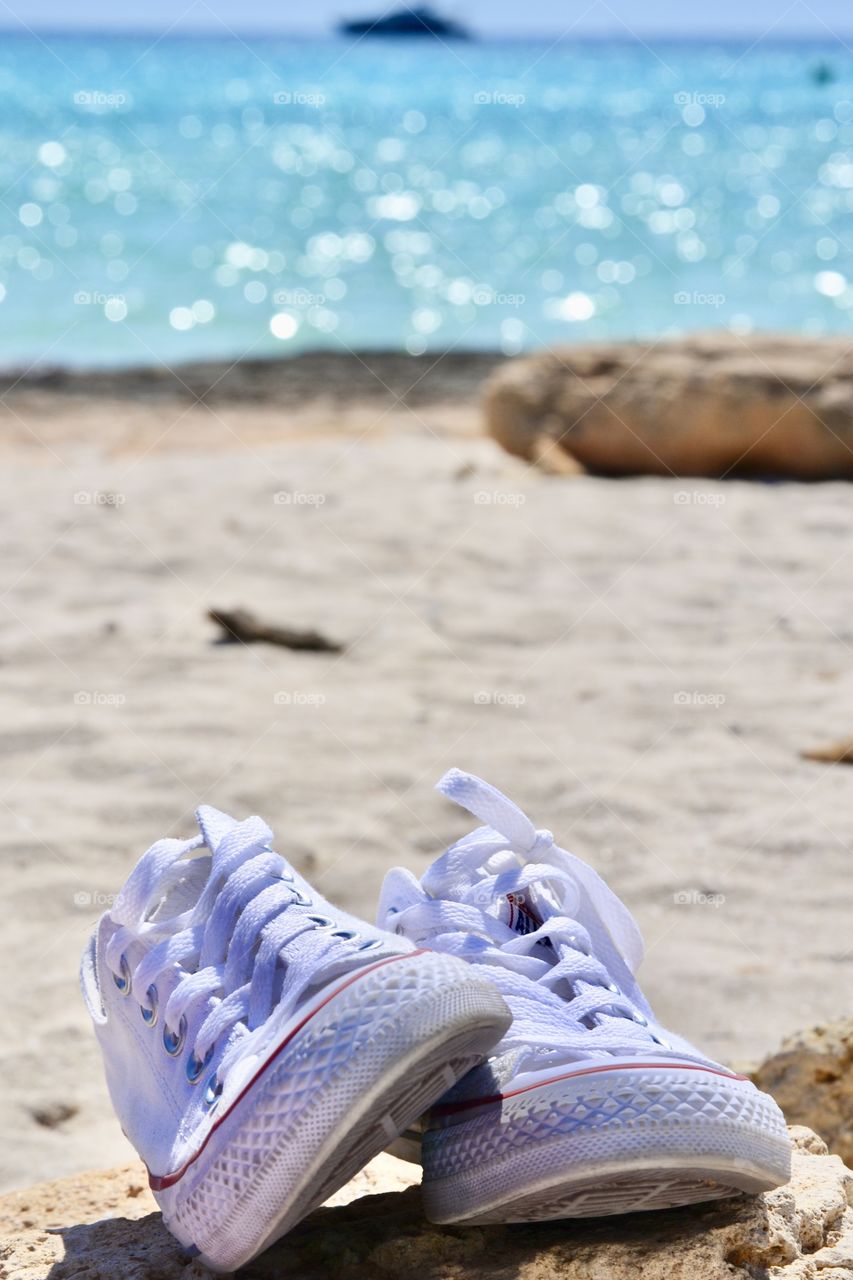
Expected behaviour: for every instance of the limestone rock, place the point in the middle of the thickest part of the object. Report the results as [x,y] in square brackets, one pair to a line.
[811,1077]
[704,405]
[100,1226]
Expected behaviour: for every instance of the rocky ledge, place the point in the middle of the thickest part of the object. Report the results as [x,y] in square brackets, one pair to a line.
[705,405]
[101,1226]
[811,1077]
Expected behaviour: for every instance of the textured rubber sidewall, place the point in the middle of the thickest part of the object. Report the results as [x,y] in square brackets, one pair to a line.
[424,1000]
[529,1145]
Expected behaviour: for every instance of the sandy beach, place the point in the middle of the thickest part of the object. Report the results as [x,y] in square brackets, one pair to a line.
[638,662]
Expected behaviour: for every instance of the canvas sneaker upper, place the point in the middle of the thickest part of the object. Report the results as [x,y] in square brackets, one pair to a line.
[556,941]
[214,950]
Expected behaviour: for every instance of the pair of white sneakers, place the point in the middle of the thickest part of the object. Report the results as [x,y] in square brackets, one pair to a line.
[261,1046]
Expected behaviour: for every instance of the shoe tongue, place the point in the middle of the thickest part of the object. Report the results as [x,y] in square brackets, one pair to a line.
[185,880]
[185,884]
[523,913]
[516,912]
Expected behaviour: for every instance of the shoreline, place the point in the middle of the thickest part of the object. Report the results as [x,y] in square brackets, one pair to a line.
[310,375]
[61,416]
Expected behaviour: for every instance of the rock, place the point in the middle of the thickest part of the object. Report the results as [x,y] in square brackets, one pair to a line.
[100,1226]
[52,1114]
[811,1077]
[704,405]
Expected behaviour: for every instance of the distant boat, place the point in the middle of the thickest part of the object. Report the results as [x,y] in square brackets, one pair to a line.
[405,22]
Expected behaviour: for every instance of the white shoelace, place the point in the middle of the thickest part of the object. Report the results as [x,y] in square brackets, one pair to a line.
[246,945]
[509,857]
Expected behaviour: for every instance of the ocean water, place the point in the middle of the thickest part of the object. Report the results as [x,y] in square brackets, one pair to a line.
[174,199]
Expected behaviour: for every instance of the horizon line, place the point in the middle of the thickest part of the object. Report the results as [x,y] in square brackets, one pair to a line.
[504,37]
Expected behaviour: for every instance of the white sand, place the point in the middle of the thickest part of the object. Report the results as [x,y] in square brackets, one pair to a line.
[541,642]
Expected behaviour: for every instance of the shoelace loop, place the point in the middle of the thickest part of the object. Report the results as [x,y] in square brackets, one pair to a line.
[593,970]
[246,943]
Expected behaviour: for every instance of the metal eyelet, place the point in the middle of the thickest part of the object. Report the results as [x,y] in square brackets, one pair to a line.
[611,986]
[213,1091]
[149,1016]
[348,935]
[173,1041]
[370,944]
[286,876]
[122,979]
[301,901]
[322,922]
[195,1065]
[640,1019]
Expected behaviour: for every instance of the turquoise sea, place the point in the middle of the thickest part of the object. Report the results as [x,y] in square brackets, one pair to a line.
[172,199]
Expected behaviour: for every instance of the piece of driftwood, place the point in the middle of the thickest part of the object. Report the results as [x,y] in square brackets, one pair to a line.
[241,625]
[838,753]
[704,404]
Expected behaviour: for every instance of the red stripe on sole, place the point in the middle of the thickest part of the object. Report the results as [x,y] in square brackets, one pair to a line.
[160,1182]
[451,1108]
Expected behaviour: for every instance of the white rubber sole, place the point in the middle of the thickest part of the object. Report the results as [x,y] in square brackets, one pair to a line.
[615,1141]
[372,1059]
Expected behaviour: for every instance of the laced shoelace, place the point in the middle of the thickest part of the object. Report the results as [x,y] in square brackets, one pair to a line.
[241,948]
[511,856]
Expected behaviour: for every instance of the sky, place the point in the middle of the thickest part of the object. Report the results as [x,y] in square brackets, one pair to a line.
[813,19]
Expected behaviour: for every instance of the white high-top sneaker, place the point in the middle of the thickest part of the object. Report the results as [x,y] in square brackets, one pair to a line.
[261,1046]
[588,1106]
